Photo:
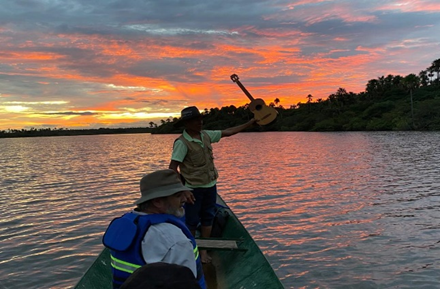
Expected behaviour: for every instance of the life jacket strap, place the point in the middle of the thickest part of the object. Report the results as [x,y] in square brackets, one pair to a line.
[123,265]
[196,252]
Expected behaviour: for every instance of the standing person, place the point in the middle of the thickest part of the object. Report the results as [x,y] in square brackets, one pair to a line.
[153,232]
[193,157]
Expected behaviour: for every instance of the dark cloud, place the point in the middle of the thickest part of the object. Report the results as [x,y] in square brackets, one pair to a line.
[139,54]
[85,113]
[386,28]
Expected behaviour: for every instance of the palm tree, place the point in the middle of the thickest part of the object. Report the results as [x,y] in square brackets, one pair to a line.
[309,101]
[430,75]
[435,67]
[424,79]
[373,88]
[341,95]
[411,82]
[397,79]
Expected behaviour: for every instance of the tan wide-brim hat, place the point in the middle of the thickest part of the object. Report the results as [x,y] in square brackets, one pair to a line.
[162,183]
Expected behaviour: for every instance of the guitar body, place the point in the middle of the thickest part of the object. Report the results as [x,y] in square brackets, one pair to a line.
[263,113]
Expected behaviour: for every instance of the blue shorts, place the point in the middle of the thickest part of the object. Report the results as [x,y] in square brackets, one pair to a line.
[203,210]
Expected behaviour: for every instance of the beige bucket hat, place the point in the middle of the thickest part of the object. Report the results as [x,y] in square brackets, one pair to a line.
[162,183]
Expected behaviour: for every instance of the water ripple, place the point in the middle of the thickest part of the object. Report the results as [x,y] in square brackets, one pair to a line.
[329,210]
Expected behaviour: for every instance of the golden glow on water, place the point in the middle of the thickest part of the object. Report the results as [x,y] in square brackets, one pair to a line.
[342,206]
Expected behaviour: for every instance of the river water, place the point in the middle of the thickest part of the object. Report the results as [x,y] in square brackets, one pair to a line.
[329,210]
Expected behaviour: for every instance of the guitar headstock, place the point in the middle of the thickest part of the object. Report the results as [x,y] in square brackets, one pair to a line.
[234,77]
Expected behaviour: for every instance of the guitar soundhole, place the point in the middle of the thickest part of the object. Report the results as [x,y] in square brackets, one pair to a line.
[258,107]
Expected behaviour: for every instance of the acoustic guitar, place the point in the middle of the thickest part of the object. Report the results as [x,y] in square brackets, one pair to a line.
[263,114]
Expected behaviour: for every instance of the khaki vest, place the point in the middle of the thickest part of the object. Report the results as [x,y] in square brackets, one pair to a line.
[198,165]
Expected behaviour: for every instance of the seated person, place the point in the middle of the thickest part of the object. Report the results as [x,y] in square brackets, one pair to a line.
[153,231]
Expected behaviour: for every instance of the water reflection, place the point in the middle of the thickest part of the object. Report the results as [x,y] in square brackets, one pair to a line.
[329,210]
[317,204]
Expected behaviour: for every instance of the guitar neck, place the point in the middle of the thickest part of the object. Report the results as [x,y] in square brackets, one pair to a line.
[244,90]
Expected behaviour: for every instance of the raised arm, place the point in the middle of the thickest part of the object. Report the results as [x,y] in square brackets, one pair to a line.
[236,129]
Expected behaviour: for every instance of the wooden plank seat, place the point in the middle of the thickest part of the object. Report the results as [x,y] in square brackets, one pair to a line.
[218,244]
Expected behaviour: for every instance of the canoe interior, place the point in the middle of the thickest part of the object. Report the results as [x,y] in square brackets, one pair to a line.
[244,268]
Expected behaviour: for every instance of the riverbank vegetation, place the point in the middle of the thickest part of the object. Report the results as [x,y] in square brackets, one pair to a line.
[389,103]
[69,132]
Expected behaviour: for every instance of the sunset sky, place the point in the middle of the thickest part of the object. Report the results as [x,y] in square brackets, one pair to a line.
[125,63]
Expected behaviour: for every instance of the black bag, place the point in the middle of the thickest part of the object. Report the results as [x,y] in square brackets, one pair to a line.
[219,224]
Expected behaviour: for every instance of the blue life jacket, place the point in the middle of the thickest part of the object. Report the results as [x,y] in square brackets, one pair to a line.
[124,236]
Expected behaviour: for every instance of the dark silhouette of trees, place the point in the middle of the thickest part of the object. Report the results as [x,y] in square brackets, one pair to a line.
[384,105]
[435,68]
[411,82]
[33,132]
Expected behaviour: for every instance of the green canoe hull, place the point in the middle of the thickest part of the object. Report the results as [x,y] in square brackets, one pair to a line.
[245,267]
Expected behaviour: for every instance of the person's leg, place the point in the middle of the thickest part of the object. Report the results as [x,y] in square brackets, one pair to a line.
[205,233]
[207,217]
[192,211]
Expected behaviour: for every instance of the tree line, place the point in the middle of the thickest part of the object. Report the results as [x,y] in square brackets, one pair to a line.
[69,132]
[389,103]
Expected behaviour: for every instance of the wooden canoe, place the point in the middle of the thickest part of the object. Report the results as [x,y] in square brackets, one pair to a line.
[237,262]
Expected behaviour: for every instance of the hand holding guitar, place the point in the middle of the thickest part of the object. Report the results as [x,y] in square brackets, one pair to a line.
[263,114]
